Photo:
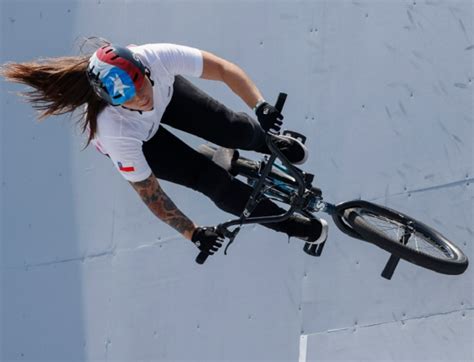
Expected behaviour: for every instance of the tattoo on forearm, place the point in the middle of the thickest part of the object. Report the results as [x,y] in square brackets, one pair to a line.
[161,205]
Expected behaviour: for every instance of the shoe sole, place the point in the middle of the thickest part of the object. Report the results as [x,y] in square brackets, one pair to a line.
[305,149]
[324,234]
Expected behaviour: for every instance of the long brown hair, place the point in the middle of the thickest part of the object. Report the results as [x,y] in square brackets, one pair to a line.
[60,86]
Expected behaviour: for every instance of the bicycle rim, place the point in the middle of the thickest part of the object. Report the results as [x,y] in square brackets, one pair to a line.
[406,238]
[418,241]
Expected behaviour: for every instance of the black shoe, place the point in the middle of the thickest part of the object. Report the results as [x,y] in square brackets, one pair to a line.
[313,231]
[295,151]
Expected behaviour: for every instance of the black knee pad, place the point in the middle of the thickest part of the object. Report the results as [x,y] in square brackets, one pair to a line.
[250,130]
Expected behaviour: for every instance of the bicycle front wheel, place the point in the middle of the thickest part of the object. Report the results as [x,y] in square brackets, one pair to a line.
[403,236]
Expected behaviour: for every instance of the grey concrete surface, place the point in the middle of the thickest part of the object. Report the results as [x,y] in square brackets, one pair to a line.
[384,91]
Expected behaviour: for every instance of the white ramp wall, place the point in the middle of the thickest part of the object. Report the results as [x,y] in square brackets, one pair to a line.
[384,91]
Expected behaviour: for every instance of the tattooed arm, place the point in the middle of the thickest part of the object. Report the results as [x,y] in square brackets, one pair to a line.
[162,206]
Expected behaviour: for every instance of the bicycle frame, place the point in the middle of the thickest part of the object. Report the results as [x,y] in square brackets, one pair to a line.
[298,199]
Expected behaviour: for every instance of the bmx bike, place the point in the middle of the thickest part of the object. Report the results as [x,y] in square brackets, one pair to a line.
[399,234]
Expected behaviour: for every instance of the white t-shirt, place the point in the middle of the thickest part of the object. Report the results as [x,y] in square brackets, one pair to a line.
[121,132]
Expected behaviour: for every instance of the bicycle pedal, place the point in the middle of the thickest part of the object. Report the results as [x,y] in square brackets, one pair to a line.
[317,191]
[295,135]
[223,157]
[308,179]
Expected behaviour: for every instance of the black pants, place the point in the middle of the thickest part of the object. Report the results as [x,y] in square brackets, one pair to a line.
[193,111]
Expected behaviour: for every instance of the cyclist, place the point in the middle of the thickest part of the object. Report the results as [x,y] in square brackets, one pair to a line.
[129,92]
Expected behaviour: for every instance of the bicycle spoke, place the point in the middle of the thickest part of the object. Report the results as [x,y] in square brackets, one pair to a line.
[401,235]
[416,244]
[404,234]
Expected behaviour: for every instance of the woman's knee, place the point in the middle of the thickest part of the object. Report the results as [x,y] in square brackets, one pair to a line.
[246,131]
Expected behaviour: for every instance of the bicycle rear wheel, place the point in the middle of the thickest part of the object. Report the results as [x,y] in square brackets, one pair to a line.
[403,236]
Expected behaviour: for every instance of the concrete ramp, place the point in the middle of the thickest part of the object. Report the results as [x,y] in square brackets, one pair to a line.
[383,90]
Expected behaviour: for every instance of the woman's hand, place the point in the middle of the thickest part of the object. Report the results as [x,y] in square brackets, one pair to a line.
[207,239]
[269,117]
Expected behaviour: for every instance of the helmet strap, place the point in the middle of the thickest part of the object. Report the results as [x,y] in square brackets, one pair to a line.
[148,75]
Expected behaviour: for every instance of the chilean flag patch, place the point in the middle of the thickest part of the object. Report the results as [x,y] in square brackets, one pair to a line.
[126,168]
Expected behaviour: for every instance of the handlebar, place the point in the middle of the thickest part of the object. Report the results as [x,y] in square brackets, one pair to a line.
[201,258]
[280,101]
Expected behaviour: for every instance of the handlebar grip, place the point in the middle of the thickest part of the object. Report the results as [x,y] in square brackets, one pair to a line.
[201,258]
[281,101]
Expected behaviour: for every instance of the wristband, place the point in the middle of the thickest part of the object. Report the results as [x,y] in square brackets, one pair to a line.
[259,103]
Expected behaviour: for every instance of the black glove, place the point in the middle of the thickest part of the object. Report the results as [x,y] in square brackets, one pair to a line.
[207,239]
[269,117]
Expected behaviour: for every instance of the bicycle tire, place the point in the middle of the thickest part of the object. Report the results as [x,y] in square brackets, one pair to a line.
[446,257]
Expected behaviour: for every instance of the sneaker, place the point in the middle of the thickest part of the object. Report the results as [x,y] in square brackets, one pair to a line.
[295,151]
[223,157]
[312,231]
